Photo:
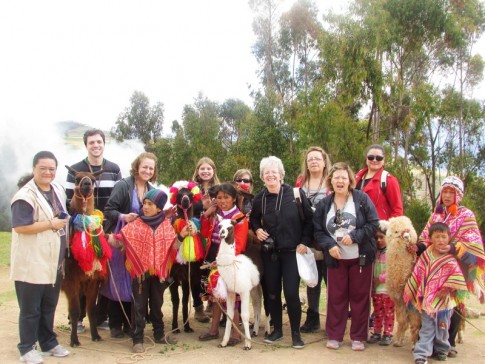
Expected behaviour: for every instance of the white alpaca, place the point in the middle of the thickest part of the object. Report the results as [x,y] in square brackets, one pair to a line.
[240,275]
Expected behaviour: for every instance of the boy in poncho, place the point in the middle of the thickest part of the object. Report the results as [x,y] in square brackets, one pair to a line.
[434,288]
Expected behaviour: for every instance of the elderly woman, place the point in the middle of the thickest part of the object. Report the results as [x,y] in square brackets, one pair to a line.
[124,206]
[345,223]
[316,164]
[381,186]
[466,243]
[39,229]
[276,220]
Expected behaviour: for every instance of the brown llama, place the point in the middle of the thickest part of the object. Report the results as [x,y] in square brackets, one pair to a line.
[88,252]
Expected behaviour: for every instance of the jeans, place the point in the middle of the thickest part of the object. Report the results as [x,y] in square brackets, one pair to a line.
[433,335]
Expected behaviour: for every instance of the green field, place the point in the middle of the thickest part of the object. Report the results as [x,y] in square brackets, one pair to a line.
[5,248]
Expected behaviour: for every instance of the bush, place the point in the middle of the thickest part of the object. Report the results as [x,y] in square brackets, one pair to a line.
[419,212]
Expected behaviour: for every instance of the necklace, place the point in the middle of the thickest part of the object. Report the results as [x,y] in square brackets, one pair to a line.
[338,219]
[313,196]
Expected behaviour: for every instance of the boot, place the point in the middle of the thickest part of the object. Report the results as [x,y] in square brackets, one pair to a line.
[200,315]
[312,322]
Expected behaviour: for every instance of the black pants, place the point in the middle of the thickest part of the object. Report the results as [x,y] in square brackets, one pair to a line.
[453,329]
[117,319]
[148,293]
[281,272]
[37,303]
[313,293]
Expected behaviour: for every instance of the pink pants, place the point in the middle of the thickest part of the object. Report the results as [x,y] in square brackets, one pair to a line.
[383,313]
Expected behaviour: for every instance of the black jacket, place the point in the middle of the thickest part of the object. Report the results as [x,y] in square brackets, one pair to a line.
[363,234]
[286,227]
[119,202]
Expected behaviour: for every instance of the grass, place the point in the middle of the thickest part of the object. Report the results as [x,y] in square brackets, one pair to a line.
[5,239]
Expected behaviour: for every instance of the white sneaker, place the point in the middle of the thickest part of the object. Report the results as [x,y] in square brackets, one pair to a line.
[80,327]
[32,357]
[103,325]
[58,351]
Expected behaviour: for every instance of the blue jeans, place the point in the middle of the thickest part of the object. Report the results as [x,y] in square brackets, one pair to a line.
[433,335]
[37,303]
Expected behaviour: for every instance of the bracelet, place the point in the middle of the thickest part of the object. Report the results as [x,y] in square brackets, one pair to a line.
[180,238]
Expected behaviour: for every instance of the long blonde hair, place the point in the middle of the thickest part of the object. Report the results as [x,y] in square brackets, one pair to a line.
[214,180]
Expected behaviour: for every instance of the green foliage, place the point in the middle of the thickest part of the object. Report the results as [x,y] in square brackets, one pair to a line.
[5,240]
[140,120]
[474,197]
[419,212]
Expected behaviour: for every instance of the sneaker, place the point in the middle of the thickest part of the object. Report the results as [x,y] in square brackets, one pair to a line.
[80,327]
[273,337]
[358,345]
[386,340]
[333,344]
[452,353]
[32,357]
[374,338]
[420,361]
[58,351]
[138,348]
[297,342]
[103,325]
[440,356]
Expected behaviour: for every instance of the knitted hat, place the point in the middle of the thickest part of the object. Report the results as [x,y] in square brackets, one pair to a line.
[457,185]
[158,197]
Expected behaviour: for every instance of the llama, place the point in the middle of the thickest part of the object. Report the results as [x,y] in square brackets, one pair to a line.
[240,276]
[185,273]
[400,263]
[85,265]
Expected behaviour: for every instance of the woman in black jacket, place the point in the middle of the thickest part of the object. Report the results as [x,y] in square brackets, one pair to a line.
[344,224]
[276,221]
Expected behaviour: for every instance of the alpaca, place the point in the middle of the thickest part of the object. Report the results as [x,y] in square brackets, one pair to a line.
[184,274]
[400,263]
[240,276]
[85,265]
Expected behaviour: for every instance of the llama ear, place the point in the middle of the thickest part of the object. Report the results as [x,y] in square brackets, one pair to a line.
[219,218]
[72,170]
[97,173]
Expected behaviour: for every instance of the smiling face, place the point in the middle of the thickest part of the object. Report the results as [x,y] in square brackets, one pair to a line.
[205,172]
[271,177]
[95,146]
[375,165]
[340,182]
[315,162]
[146,169]
[225,201]
[44,173]
[448,196]
[149,208]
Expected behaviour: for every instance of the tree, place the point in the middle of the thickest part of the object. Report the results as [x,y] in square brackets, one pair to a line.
[140,120]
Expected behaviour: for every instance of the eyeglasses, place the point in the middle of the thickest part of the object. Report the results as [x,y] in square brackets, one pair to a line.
[316,159]
[338,217]
[379,158]
[245,180]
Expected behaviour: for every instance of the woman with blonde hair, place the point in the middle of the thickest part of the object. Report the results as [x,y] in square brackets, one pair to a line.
[316,164]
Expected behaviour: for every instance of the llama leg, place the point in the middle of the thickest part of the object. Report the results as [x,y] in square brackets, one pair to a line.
[415,324]
[231,298]
[185,306]
[402,323]
[91,288]
[245,319]
[256,295]
[72,295]
[174,294]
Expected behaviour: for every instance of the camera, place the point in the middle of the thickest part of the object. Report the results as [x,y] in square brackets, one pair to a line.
[268,245]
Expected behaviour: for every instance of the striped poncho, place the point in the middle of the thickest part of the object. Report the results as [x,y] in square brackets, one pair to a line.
[429,278]
[468,242]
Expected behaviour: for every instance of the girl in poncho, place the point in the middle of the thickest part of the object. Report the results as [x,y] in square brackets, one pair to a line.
[466,242]
[435,287]
[148,242]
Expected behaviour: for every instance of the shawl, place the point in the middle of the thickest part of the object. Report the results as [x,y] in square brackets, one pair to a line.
[468,242]
[149,251]
[429,277]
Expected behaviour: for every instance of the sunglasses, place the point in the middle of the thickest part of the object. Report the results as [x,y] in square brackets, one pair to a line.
[338,218]
[245,180]
[379,158]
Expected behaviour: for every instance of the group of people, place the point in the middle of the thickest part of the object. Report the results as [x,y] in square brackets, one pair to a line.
[332,211]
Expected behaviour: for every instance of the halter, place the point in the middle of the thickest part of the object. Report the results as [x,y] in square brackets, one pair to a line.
[186,216]
[83,197]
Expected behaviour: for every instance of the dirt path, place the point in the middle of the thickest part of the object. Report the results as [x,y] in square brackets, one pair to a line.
[190,350]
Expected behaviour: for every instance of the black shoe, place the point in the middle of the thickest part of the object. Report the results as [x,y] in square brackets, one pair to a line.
[273,337]
[374,338]
[296,341]
[116,333]
[312,322]
[386,340]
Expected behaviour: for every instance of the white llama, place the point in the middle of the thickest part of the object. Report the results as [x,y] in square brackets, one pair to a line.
[240,275]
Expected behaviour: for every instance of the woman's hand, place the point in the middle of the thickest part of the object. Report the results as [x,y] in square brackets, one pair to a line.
[58,224]
[335,252]
[171,211]
[129,217]
[301,248]
[261,234]
[346,240]
[211,210]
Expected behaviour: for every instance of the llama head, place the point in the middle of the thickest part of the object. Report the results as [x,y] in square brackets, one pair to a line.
[84,182]
[226,230]
[184,194]
[401,230]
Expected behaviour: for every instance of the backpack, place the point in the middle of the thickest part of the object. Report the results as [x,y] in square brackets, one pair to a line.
[296,193]
[384,176]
